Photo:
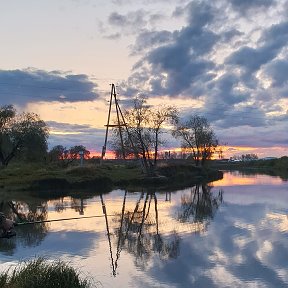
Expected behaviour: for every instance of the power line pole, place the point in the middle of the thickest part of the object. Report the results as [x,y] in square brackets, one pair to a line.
[113,94]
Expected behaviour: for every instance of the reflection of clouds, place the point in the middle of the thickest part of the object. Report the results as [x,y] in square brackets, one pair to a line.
[279,220]
[219,256]
[241,248]
[223,278]
[55,245]
[242,180]
[263,250]
[64,243]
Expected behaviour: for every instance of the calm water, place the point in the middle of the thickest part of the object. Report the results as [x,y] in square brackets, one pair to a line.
[231,233]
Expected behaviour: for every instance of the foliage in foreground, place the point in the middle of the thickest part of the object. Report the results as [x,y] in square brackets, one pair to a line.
[21,135]
[41,273]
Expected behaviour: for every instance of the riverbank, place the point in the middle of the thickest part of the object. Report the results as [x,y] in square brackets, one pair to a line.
[272,167]
[50,179]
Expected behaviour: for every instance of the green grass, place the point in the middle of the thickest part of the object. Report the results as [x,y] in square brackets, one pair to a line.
[50,180]
[21,177]
[41,273]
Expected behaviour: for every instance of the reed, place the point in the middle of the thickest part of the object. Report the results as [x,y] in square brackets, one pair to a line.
[41,273]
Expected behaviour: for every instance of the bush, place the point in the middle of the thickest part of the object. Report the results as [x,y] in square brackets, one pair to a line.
[41,273]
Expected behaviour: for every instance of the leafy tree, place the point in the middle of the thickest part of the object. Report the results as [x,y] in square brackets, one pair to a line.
[66,156]
[197,136]
[21,135]
[56,153]
[141,132]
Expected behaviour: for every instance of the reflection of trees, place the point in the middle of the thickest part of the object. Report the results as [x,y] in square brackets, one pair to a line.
[78,205]
[138,232]
[200,205]
[30,235]
[59,205]
[74,203]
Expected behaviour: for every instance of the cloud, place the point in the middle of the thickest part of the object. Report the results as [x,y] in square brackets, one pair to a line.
[249,136]
[200,13]
[145,2]
[176,60]
[237,70]
[32,85]
[133,22]
[68,127]
[148,39]
[68,135]
[230,55]
[277,71]
[269,45]
[243,6]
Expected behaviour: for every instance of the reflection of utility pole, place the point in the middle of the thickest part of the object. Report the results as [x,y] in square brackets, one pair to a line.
[108,235]
[120,231]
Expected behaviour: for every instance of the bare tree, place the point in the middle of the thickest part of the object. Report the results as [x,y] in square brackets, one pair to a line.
[142,133]
[163,115]
[197,136]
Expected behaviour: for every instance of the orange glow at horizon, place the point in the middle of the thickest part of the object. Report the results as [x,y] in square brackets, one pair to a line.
[108,155]
[228,151]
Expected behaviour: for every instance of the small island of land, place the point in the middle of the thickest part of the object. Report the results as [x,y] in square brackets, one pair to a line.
[46,179]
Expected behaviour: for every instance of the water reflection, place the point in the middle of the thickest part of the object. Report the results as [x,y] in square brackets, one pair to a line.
[185,238]
[200,205]
[77,204]
[138,230]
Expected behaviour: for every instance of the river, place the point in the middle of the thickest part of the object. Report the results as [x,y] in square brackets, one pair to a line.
[229,233]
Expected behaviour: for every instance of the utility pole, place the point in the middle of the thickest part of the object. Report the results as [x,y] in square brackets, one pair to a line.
[113,95]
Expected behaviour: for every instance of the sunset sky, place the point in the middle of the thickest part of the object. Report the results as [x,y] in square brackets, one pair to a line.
[225,60]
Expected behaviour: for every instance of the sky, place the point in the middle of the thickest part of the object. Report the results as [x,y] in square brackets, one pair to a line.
[225,60]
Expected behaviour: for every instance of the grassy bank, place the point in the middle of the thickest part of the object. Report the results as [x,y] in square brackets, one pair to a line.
[100,178]
[41,273]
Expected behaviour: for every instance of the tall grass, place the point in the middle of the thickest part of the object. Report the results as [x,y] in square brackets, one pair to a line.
[40,273]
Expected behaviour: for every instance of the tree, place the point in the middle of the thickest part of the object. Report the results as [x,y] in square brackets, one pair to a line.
[198,137]
[141,132]
[249,157]
[160,117]
[25,134]
[56,153]
[66,156]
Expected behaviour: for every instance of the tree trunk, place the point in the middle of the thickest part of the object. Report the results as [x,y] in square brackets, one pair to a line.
[156,150]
